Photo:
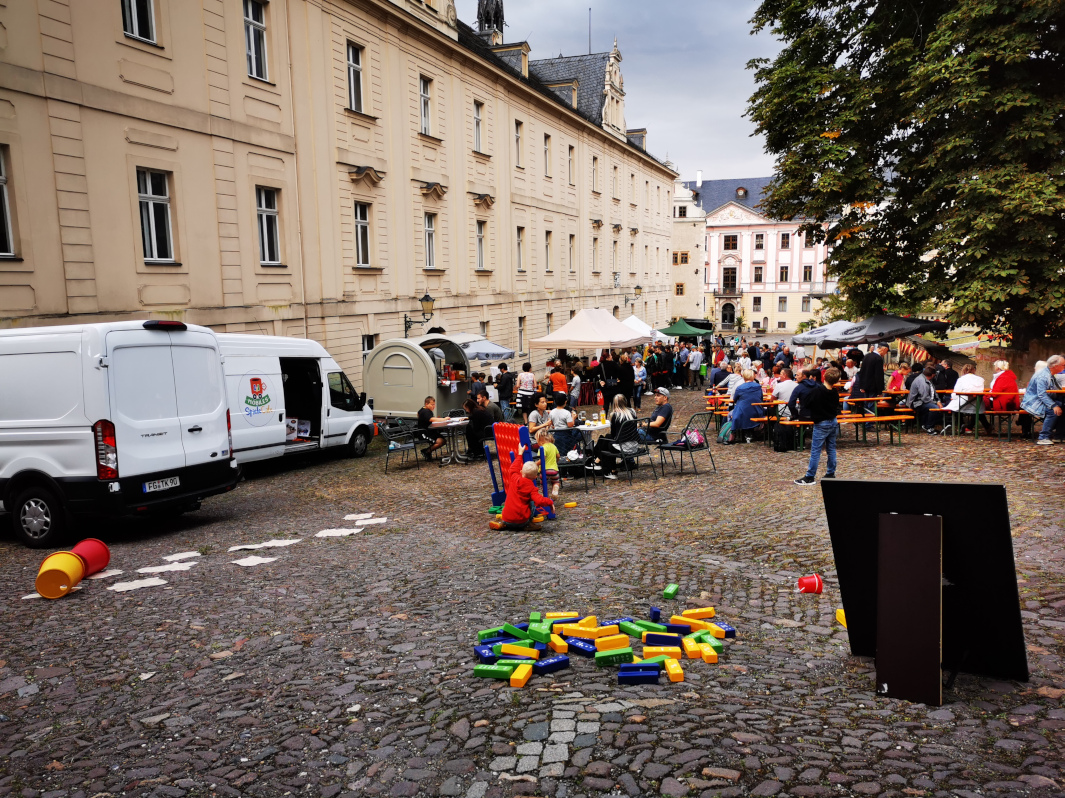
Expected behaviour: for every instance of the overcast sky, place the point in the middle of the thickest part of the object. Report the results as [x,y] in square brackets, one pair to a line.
[684,65]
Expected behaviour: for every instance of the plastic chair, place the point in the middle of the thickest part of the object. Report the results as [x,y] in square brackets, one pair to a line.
[401,438]
[699,426]
[627,447]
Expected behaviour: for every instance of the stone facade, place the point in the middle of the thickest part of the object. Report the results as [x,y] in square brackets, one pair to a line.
[689,256]
[295,176]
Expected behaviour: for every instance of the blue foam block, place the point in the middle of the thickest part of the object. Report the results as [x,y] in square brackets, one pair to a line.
[730,631]
[678,629]
[551,664]
[637,677]
[586,648]
[656,614]
[485,654]
[640,666]
[556,621]
[659,639]
[616,621]
[491,641]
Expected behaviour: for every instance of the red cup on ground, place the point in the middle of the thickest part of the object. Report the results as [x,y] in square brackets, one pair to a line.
[95,554]
[811,584]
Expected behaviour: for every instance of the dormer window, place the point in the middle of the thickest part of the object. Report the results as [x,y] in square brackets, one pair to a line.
[741,193]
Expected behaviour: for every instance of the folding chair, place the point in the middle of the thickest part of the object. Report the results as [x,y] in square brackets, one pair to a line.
[698,427]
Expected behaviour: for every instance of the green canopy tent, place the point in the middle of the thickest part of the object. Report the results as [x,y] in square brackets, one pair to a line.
[682,328]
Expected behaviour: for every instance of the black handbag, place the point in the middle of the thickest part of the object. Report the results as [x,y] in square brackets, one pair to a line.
[611,382]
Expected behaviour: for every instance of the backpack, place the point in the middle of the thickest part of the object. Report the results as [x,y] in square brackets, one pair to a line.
[727,434]
[783,439]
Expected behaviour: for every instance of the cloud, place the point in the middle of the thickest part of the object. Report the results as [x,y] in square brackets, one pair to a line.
[685,71]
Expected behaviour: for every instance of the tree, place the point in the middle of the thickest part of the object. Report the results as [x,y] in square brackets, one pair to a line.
[930,136]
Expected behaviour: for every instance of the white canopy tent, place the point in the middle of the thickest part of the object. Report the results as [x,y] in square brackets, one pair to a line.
[642,327]
[591,328]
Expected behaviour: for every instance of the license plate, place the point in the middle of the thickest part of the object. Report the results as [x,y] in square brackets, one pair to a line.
[162,484]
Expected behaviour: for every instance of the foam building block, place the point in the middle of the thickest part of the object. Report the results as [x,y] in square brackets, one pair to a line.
[684,620]
[656,651]
[611,642]
[484,634]
[551,616]
[841,617]
[520,651]
[713,642]
[492,671]
[551,664]
[699,613]
[670,591]
[615,621]
[660,660]
[485,654]
[540,632]
[615,657]
[650,626]
[661,639]
[521,675]
[709,654]
[673,669]
[582,647]
[631,629]
[588,622]
[638,677]
[590,634]
[655,614]
[691,648]
[558,645]
[729,631]
[534,617]
[642,666]
[516,631]
[677,628]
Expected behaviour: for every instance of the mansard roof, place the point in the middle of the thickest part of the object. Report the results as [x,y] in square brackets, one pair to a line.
[715,193]
[590,72]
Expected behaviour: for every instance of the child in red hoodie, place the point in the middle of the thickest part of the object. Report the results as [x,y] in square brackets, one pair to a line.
[521,492]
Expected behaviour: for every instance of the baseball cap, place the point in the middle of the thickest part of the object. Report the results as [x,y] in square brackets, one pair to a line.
[663,391]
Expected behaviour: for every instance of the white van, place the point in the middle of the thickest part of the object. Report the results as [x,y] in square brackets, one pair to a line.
[113,418]
[288,396]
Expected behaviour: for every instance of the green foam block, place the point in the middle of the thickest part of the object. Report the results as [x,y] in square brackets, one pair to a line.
[659,660]
[649,626]
[671,591]
[631,629]
[516,632]
[714,643]
[534,617]
[484,634]
[615,657]
[492,671]
[540,632]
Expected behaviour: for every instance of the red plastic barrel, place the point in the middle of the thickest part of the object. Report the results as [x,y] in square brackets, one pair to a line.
[95,554]
[807,584]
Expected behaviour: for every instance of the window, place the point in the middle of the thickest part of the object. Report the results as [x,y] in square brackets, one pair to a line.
[521,333]
[138,19]
[783,273]
[756,304]
[808,240]
[266,210]
[758,274]
[785,240]
[153,191]
[614,256]
[517,143]
[573,313]
[682,212]
[646,192]
[807,272]
[478,112]
[7,238]
[547,251]
[521,246]
[614,187]
[354,77]
[480,243]
[341,394]
[369,342]
[632,258]
[362,234]
[547,155]
[484,329]
[255,38]
[782,325]
[732,242]
[806,304]
[683,258]
[430,240]
[569,164]
[550,318]
[632,188]
[680,289]
[759,241]
[595,173]
[782,304]
[425,91]
[595,254]
[676,258]
[572,253]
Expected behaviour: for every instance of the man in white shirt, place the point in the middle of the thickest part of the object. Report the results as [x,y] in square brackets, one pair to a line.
[695,359]
[783,390]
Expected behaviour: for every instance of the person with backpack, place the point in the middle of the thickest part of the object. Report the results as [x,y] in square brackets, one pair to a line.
[822,403]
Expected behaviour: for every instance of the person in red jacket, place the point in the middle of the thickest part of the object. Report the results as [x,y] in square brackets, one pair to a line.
[1004,381]
[517,514]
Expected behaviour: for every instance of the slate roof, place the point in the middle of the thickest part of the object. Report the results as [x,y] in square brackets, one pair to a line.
[715,193]
[589,70]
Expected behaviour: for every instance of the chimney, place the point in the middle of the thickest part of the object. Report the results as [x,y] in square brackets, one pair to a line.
[699,179]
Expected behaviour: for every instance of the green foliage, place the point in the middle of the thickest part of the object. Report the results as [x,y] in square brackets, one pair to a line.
[938,128]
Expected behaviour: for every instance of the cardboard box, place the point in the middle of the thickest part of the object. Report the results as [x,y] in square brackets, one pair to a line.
[290,428]
[303,428]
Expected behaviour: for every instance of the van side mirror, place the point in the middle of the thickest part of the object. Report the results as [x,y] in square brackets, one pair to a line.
[360,401]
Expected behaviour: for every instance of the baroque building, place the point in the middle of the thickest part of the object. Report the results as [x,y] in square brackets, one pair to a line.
[315,168]
[761,275]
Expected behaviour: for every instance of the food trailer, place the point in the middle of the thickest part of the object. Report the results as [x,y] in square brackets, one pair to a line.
[400,373]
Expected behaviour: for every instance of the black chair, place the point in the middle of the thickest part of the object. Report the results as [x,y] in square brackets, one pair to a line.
[582,462]
[401,438]
[627,447]
[698,427]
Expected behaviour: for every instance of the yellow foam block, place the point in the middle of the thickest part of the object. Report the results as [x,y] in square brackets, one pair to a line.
[554,616]
[658,651]
[558,645]
[588,623]
[519,677]
[520,651]
[676,673]
[699,612]
[716,631]
[686,620]
[691,648]
[709,655]
[636,659]
[841,617]
[592,634]
[610,642]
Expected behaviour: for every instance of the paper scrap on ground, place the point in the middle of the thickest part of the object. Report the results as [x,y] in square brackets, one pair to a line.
[358,516]
[38,595]
[182,556]
[173,566]
[373,520]
[122,587]
[253,560]
[105,574]
[267,545]
[146,676]
[337,533]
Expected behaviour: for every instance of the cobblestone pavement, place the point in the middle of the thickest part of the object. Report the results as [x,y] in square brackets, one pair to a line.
[344,667]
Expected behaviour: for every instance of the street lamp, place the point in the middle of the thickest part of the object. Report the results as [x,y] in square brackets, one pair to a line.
[638,290]
[427,313]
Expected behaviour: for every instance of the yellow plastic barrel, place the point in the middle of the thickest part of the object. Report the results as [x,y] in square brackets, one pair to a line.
[59,574]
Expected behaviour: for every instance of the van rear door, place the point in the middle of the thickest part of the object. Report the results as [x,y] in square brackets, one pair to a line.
[201,397]
[144,402]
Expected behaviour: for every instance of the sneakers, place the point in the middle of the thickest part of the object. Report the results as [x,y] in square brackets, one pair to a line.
[593,466]
[806,481]
[929,430]
[1045,442]
[427,454]
[829,476]
[610,476]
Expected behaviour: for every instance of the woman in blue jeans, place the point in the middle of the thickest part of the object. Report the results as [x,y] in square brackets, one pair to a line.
[822,404]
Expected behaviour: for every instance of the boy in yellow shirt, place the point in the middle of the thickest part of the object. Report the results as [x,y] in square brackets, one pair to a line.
[546,441]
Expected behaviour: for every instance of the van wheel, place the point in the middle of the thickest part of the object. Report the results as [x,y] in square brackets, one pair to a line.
[360,441]
[38,517]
